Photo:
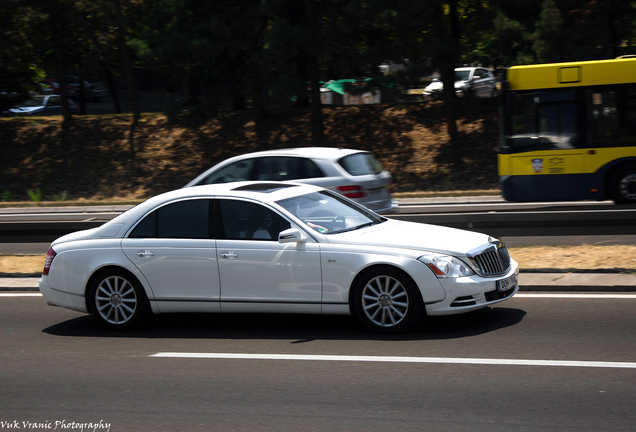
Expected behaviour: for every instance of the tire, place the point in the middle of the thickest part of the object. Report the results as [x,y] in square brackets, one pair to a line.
[623,185]
[386,301]
[117,300]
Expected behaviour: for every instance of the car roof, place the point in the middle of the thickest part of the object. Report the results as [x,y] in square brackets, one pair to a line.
[263,191]
[470,68]
[310,152]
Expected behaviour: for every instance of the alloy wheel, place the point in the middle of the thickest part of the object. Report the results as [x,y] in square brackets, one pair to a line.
[116,300]
[385,301]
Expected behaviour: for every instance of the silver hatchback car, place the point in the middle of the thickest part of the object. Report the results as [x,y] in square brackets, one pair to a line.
[355,174]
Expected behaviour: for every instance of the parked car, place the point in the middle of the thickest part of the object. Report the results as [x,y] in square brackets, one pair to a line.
[93,91]
[355,174]
[469,81]
[41,105]
[54,86]
[275,247]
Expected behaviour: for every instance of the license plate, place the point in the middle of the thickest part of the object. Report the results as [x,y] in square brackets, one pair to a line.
[506,284]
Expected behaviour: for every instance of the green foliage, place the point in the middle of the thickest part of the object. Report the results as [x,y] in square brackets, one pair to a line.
[548,36]
[62,196]
[35,194]
[5,196]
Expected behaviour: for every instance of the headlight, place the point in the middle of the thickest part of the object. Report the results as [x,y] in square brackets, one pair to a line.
[445,266]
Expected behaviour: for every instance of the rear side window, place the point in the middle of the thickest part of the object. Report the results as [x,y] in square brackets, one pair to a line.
[360,164]
[309,169]
[282,168]
[183,219]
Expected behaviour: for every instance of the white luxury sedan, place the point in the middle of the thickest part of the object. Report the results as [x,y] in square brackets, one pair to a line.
[273,247]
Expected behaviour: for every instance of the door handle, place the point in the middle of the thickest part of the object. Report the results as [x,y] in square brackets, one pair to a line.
[229,255]
[145,253]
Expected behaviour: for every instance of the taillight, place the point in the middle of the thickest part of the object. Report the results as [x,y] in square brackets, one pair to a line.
[352,191]
[48,262]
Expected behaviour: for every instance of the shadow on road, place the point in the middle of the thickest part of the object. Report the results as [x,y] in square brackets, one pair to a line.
[298,328]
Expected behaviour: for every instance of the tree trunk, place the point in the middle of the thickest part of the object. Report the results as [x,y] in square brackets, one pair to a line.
[121,36]
[110,82]
[60,66]
[449,60]
[313,66]
[317,128]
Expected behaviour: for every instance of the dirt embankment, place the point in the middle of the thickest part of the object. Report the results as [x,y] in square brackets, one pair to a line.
[106,157]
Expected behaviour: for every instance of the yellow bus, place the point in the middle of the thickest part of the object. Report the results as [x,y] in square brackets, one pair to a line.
[568,131]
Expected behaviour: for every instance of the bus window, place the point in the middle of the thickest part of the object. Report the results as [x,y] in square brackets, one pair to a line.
[612,116]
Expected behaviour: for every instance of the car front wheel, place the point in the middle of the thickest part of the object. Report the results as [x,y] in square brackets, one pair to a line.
[117,300]
[386,301]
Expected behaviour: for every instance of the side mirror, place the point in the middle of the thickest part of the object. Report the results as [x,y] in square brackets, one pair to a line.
[291,235]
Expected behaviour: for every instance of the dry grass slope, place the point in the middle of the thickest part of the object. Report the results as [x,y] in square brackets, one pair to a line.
[106,157]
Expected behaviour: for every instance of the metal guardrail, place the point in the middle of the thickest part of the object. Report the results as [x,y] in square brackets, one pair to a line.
[487,214]
[536,223]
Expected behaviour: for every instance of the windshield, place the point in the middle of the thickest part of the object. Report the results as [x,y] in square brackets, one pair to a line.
[329,213]
[462,75]
[34,102]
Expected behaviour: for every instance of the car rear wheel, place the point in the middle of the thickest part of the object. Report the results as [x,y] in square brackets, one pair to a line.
[117,300]
[386,301]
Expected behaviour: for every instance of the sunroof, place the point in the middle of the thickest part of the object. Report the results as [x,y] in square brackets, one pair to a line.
[263,187]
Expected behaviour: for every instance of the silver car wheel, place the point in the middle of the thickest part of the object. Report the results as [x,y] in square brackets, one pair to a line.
[385,301]
[116,300]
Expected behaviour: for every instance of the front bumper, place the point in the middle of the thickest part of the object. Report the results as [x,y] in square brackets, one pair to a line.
[471,293]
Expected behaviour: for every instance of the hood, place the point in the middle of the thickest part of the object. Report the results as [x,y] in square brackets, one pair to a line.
[419,237]
[25,110]
[435,85]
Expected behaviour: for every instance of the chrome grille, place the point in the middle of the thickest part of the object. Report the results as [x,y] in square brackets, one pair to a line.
[493,261]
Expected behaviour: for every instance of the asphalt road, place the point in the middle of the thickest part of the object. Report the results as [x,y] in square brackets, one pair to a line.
[58,366]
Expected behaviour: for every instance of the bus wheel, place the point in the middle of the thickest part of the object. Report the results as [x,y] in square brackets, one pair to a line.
[623,185]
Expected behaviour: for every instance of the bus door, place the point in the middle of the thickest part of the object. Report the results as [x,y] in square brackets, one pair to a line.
[550,160]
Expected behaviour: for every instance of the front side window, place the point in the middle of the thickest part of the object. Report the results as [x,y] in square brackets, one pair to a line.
[245,220]
[237,171]
[182,219]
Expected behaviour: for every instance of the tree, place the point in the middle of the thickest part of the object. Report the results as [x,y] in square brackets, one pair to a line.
[548,36]
[18,53]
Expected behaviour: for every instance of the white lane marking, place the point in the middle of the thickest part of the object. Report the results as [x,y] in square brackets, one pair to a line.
[440,360]
[578,296]
[20,294]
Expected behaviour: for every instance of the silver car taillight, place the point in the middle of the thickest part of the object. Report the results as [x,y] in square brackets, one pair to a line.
[48,262]
[352,191]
